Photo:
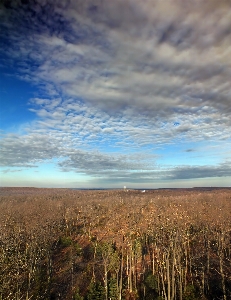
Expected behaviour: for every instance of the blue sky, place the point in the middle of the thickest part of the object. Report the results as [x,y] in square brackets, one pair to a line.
[111,93]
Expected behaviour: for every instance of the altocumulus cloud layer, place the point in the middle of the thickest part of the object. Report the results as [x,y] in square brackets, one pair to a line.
[126,91]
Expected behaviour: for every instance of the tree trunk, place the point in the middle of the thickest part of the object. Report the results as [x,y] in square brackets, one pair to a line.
[221,258]
[121,274]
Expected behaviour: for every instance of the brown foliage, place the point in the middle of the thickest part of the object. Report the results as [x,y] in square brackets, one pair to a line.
[51,242]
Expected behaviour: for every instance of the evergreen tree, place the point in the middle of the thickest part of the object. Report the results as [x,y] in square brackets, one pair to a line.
[112,289]
[77,296]
[96,291]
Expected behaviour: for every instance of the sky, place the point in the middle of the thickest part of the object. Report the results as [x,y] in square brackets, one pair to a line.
[107,94]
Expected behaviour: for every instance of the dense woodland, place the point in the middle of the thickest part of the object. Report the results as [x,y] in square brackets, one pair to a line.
[90,245]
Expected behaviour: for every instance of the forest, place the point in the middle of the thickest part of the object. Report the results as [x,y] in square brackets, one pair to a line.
[115,244]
